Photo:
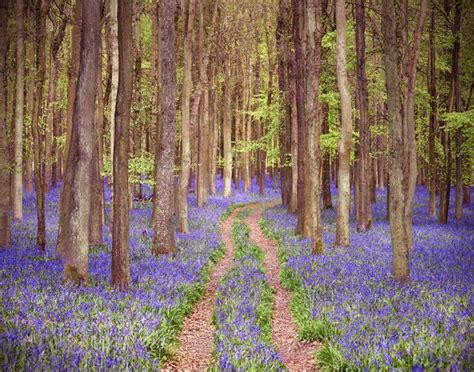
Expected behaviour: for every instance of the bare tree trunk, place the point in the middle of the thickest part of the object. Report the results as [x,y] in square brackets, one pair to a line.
[214,132]
[326,162]
[283,51]
[41,12]
[121,194]
[433,128]
[344,147]
[400,247]
[185,118]
[19,113]
[163,202]
[96,218]
[313,116]
[298,29]
[114,62]
[364,221]
[65,205]
[409,125]
[227,129]
[5,230]
[76,265]
[457,107]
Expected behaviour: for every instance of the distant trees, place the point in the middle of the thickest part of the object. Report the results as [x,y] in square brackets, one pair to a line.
[262,88]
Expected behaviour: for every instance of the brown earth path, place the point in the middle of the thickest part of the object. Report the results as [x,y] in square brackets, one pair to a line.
[196,340]
[296,355]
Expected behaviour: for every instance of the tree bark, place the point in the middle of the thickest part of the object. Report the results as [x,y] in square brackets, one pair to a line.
[121,194]
[163,202]
[5,230]
[185,118]
[227,129]
[433,128]
[400,248]
[65,205]
[41,13]
[76,265]
[364,221]
[298,29]
[313,117]
[344,147]
[19,113]
[326,162]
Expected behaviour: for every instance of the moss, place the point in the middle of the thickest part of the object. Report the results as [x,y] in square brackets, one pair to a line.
[71,274]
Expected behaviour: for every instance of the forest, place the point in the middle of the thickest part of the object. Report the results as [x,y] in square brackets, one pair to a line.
[236,185]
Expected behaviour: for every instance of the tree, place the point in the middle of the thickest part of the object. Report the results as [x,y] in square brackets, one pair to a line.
[433,128]
[313,117]
[344,147]
[227,127]
[41,12]
[364,217]
[298,29]
[401,136]
[80,157]
[183,186]
[66,188]
[19,113]
[4,155]
[163,201]
[121,194]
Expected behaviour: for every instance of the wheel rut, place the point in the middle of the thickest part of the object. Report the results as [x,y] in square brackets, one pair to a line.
[196,339]
[297,355]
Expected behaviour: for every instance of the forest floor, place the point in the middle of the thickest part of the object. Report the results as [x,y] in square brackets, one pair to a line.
[241,293]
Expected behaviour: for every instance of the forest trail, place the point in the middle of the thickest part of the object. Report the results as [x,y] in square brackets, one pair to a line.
[296,355]
[196,340]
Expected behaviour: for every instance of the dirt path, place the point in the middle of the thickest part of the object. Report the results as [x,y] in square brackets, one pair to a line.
[196,339]
[295,354]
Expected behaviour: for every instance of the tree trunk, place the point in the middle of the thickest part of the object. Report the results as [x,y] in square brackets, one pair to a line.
[227,130]
[41,12]
[76,265]
[433,128]
[163,202]
[121,194]
[364,221]
[185,118]
[344,147]
[114,62]
[97,184]
[326,162]
[5,191]
[313,116]
[65,205]
[457,107]
[400,248]
[283,52]
[298,29]
[19,113]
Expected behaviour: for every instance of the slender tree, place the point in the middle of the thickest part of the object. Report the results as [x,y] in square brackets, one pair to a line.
[344,147]
[364,220]
[313,117]
[183,186]
[163,202]
[19,112]
[4,154]
[121,195]
[83,133]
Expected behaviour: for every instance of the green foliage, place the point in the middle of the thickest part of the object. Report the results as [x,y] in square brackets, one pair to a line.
[140,169]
